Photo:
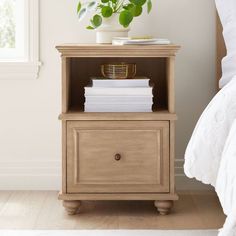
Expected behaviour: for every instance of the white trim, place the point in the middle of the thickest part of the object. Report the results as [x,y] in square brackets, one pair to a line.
[183,182]
[28,68]
[30,175]
[46,175]
[19,52]
[19,70]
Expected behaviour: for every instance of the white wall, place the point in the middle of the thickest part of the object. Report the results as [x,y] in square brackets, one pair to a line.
[29,130]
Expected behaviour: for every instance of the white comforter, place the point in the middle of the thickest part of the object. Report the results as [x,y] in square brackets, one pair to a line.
[211,153]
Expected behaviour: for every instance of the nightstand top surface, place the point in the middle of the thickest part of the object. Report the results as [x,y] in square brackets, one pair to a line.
[108,50]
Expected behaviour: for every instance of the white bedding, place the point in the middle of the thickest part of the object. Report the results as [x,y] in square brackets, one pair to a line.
[227,13]
[211,153]
[226,182]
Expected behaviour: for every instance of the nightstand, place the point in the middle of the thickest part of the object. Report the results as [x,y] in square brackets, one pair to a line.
[118,156]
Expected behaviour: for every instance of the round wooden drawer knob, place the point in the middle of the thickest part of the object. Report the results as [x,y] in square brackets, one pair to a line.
[117,157]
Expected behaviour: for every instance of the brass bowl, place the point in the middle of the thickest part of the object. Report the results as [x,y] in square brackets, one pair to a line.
[119,71]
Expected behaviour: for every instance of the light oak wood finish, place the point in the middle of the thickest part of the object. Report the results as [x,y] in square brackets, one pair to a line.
[163,207]
[171,83]
[41,211]
[172,157]
[101,50]
[143,147]
[84,116]
[119,196]
[65,83]
[82,69]
[71,207]
[64,154]
[93,142]
[84,61]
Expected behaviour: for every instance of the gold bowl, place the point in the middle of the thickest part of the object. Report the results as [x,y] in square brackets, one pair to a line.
[119,71]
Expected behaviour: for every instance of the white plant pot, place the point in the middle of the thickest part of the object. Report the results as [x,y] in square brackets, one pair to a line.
[109,29]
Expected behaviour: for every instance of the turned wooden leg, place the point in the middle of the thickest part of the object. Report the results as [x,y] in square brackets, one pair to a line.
[164,207]
[71,206]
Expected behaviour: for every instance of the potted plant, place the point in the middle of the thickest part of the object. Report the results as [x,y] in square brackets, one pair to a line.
[112,18]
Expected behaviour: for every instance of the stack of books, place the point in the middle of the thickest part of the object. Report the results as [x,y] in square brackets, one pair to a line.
[129,95]
[140,41]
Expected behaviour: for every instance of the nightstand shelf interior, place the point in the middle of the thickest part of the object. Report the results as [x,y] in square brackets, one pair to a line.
[82,69]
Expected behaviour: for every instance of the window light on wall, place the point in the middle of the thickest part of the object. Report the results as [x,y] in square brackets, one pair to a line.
[19,39]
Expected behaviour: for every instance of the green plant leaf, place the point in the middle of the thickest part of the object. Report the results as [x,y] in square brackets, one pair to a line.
[114,1]
[138,2]
[149,5]
[89,27]
[100,6]
[125,18]
[96,21]
[82,13]
[134,9]
[138,11]
[107,11]
[104,1]
[79,7]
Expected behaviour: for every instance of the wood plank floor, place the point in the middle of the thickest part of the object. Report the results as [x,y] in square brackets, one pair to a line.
[42,210]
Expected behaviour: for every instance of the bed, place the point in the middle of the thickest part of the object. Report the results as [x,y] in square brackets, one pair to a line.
[211,153]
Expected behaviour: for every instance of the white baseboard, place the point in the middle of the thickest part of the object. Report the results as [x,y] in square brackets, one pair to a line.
[46,175]
[25,182]
[183,182]
[30,175]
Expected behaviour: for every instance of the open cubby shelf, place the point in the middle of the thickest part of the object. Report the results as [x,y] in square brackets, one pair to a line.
[82,69]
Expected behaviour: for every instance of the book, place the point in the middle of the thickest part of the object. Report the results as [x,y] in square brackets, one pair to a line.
[149,41]
[121,110]
[137,82]
[118,108]
[119,100]
[110,91]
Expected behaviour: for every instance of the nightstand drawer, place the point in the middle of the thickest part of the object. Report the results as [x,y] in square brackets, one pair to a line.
[124,156]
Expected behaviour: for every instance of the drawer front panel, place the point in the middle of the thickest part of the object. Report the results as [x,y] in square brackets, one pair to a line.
[120,156]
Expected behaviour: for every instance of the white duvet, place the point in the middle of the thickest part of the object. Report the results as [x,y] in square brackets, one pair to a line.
[211,153]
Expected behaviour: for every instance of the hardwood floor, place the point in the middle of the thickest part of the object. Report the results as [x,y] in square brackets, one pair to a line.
[42,210]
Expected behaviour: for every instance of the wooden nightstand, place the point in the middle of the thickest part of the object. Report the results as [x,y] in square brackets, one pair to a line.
[118,156]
